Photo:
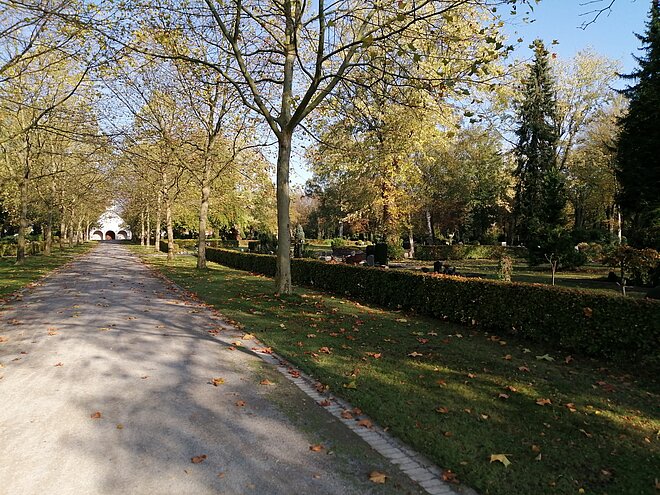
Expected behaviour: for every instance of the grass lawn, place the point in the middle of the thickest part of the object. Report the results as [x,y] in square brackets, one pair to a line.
[566,424]
[13,277]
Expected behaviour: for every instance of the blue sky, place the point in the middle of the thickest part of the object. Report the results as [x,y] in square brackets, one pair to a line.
[612,34]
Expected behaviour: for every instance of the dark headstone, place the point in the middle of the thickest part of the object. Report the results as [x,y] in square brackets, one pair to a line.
[371,260]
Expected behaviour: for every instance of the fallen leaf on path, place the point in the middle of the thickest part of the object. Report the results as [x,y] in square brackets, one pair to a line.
[266,381]
[240,403]
[96,415]
[217,381]
[324,403]
[500,458]
[198,459]
[120,426]
[316,448]
[59,364]
[248,336]
[52,332]
[3,339]
[346,414]
[377,477]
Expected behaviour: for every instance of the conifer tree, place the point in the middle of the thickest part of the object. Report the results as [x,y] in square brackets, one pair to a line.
[540,192]
[638,155]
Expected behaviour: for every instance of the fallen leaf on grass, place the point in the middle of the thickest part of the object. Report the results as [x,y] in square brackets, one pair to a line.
[508,357]
[545,357]
[350,385]
[471,375]
[586,433]
[442,410]
[366,423]
[503,396]
[316,448]
[324,350]
[415,354]
[377,477]
[543,402]
[96,415]
[524,369]
[449,476]
[500,458]
[570,406]
[217,381]
[198,459]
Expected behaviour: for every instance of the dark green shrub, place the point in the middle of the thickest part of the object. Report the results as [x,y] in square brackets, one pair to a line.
[505,268]
[395,251]
[253,246]
[613,327]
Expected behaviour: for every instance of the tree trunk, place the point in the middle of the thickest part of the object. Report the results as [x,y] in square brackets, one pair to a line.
[70,229]
[203,215]
[159,200]
[170,229]
[79,232]
[48,235]
[429,227]
[142,227]
[62,228]
[148,239]
[23,223]
[283,272]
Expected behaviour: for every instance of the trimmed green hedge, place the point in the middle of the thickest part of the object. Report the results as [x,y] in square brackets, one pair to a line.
[468,252]
[613,327]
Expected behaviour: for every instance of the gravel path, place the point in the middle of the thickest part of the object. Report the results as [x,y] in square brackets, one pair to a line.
[106,335]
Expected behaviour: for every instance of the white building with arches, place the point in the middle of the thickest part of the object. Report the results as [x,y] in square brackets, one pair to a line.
[110,227]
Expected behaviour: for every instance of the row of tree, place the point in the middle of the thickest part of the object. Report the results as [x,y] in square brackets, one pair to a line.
[170,107]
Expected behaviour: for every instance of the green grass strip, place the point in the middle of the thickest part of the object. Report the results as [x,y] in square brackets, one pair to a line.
[14,277]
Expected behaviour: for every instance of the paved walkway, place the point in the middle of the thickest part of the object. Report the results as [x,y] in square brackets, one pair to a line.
[106,335]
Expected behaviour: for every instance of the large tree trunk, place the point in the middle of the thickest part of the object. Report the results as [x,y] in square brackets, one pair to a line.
[283,273]
[203,215]
[159,200]
[23,223]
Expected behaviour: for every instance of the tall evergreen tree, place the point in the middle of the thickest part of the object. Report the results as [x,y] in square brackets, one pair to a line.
[540,193]
[638,155]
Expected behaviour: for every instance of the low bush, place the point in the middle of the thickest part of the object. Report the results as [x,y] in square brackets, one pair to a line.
[468,251]
[612,327]
[338,243]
